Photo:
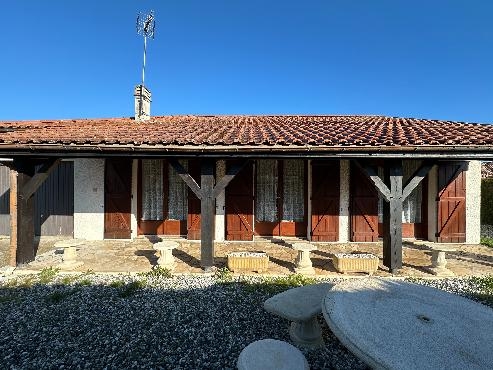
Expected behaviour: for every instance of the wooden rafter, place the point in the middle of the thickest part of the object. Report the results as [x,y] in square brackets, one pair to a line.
[186,177]
[39,177]
[375,179]
[416,178]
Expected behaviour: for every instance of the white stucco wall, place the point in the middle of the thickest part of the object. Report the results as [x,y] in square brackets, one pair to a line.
[220,218]
[344,201]
[89,199]
[473,203]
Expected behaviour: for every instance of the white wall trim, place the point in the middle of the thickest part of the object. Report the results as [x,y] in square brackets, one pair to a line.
[473,203]
[89,199]
[344,229]
[220,218]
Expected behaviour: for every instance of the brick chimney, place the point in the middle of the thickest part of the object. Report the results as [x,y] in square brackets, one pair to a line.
[142,103]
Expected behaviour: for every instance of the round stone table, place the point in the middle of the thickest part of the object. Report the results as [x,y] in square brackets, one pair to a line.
[392,324]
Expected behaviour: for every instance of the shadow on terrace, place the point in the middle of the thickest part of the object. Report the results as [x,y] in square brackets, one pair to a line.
[139,256]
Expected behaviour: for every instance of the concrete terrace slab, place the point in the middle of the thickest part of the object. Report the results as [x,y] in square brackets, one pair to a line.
[138,255]
[399,325]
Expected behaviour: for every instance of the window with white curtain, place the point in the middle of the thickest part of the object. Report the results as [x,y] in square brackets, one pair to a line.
[266,191]
[294,189]
[178,194]
[152,189]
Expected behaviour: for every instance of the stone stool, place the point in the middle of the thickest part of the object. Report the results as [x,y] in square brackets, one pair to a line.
[301,306]
[438,260]
[166,259]
[303,261]
[69,258]
[271,354]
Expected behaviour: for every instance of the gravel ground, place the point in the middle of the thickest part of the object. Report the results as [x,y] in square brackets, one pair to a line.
[184,322]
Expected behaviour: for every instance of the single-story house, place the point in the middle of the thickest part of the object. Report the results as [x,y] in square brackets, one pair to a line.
[325,178]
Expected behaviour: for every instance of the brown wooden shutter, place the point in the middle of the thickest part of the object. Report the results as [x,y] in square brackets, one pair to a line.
[325,201]
[364,208]
[117,198]
[239,205]
[451,201]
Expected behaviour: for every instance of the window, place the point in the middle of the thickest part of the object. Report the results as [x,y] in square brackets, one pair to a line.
[293,194]
[178,195]
[152,189]
[266,192]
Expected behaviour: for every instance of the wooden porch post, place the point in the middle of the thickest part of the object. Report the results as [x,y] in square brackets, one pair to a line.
[392,217]
[394,193]
[207,205]
[22,248]
[207,193]
[24,181]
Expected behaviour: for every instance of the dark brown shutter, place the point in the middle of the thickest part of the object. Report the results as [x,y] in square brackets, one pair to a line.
[364,208]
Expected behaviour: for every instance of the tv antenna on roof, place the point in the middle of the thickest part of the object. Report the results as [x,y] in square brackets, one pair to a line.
[145,27]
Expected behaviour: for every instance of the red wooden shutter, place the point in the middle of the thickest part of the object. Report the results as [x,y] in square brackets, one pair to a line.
[451,203]
[117,198]
[325,201]
[364,208]
[239,205]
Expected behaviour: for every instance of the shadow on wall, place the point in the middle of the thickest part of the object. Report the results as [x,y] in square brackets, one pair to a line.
[53,202]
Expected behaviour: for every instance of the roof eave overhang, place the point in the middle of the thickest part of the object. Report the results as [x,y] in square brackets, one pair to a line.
[246,151]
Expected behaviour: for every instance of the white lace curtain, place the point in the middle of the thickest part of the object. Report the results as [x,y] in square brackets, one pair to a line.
[178,194]
[152,189]
[266,191]
[294,188]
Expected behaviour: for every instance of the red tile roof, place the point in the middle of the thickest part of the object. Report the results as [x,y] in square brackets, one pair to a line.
[209,132]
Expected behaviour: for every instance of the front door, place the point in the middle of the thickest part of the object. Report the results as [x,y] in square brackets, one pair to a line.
[117,198]
[325,201]
[364,208]
[451,203]
[239,205]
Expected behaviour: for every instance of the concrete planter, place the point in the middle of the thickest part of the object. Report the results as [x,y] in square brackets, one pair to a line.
[248,261]
[355,263]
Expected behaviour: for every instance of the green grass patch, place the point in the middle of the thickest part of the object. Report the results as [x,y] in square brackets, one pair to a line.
[484,285]
[47,275]
[84,282]
[223,275]
[157,272]
[132,288]
[68,279]
[58,296]
[117,284]
[487,241]
[279,284]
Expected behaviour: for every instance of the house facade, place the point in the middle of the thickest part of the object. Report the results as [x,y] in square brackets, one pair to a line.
[237,178]
[320,200]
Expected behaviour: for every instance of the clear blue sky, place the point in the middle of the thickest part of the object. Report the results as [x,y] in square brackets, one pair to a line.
[82,58]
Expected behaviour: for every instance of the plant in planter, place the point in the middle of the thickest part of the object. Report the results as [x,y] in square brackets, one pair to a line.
[248,261]
[356,262]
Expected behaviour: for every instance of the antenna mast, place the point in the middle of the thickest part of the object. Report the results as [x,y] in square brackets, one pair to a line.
[145,27]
